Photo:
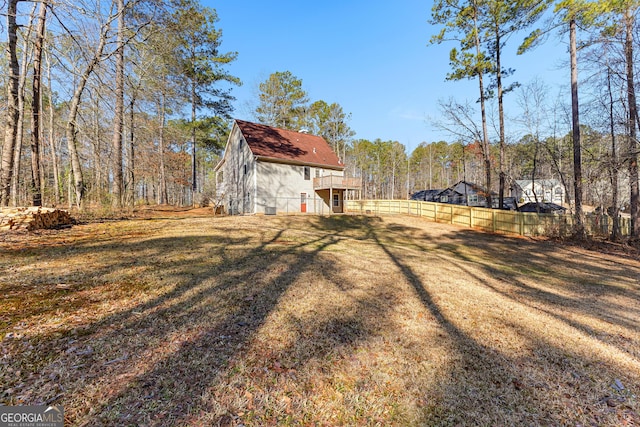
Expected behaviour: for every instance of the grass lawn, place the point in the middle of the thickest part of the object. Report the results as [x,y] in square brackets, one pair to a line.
[343,320]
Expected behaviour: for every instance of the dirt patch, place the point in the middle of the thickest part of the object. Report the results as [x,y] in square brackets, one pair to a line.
[343,320]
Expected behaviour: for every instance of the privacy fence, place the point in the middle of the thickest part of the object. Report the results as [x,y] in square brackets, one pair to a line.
[494,220]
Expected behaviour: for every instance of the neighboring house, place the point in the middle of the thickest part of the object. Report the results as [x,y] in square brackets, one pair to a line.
[425,195]
[265,170]
[466,193]
[545,190]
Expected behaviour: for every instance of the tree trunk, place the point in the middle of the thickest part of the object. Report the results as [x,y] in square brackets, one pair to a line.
[194,184]
[500,118]
[79,185]
[22,84]
[12,118]
[36,133]
[118,119]
[131,187]
[579,229]
[54,156]
[613,167]
[485,132]
[633,111]
[99,184]
[163,178]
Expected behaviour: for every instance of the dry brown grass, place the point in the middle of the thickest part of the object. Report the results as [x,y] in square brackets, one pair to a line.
[316,321]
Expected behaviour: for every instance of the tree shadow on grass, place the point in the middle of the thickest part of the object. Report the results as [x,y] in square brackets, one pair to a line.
[51,291]
[159,361]
[554,279]
[149,364]
[489,383]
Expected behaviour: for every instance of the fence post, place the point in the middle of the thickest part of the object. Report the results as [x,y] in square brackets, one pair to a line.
[493,219]
[521,223]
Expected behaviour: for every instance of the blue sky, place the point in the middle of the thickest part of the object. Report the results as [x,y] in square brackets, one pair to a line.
[371,57]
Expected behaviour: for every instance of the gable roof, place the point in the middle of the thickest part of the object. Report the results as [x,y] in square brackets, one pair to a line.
[288,146]
[475,188]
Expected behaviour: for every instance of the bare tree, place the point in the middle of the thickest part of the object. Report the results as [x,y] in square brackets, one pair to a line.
[118,119]
[579,228]
[51,138]
[629,21]
[12,119]
[36,132]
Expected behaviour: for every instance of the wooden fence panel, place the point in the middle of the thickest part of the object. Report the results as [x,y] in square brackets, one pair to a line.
[461,215]
[507,222]
[444,213]
[499,221]
[483,219]
[428,210]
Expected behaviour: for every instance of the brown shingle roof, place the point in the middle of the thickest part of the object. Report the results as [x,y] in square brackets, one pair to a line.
[287,145]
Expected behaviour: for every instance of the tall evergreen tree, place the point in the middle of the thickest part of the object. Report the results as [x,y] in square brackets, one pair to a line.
[202,65]
[331,122]
[461,21]
[502,19]
[282,101]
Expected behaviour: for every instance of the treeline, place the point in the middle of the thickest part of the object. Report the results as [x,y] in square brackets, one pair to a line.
[601,43]
[127,101]
[109,103]
[539,145]
[389,171]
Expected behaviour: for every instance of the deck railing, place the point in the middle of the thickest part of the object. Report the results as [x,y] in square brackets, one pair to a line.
[336,181]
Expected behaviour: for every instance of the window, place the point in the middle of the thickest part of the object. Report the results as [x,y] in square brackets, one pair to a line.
[444,199]
[473,198]
[336,200]
[307,173]
[317,173]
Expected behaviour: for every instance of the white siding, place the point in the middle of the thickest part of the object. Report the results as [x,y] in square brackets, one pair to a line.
[545,190]
[238,174]
[253,186]
[280,186]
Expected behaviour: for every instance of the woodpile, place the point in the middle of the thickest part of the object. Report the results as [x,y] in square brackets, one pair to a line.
[33,218]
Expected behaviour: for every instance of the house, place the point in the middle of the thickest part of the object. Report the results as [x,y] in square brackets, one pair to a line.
[265,170]
[544,190]
[466,193]
[425,195]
